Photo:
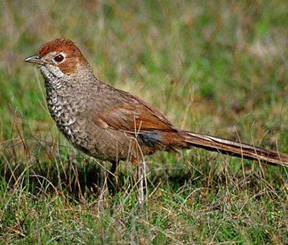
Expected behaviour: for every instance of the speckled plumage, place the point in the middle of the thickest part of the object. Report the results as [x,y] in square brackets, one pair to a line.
[111,124]
[70,105]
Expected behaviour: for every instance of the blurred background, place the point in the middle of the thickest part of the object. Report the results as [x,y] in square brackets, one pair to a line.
[218,67]
[214,67]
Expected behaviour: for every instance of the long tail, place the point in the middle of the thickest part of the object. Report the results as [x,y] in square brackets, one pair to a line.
[235,149]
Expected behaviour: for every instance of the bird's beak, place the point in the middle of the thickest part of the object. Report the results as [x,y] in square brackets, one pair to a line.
[35,59]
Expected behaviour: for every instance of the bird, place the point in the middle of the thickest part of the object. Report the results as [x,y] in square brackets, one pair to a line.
[110,124]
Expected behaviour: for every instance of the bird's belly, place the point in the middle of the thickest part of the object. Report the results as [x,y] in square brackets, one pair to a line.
[94,140]
[109,144]
[82,133]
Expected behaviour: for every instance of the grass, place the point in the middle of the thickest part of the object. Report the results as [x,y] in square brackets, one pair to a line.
[217,67]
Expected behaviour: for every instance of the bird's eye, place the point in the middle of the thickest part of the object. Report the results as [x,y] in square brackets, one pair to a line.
[59,58]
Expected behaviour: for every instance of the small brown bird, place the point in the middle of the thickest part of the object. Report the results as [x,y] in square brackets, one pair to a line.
[113,125]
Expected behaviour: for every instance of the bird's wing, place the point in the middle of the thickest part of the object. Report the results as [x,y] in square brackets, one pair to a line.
[131,114]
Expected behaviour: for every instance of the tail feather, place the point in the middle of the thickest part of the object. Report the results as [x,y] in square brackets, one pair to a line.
[235,149]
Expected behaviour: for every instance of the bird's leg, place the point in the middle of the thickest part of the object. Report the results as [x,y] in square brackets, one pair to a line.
[113,184]
[103,185]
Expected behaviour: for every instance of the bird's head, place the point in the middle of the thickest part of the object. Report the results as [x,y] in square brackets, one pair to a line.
[59,58]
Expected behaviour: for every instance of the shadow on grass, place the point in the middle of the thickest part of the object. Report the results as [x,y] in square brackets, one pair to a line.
[53,168]
[82,179]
